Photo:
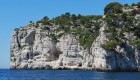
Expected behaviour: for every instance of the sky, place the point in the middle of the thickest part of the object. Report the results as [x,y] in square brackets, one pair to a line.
[17,13]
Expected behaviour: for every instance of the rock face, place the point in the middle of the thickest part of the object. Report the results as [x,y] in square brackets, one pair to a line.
[112,42]
[124,58]
[31,48]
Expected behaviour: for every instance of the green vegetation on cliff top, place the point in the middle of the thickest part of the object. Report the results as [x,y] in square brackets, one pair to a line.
[119,18]
[85,27]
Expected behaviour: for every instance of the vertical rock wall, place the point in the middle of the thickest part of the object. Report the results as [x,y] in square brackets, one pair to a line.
[32,48]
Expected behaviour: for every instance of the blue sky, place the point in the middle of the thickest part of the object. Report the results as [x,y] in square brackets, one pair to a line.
[17,13]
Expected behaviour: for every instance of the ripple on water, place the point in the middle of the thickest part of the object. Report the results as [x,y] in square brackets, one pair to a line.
[6,74]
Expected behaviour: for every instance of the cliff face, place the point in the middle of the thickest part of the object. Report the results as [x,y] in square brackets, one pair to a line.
[31,48]
[108,43]
[122,58]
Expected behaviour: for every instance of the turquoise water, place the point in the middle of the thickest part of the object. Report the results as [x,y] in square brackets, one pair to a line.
[6,74]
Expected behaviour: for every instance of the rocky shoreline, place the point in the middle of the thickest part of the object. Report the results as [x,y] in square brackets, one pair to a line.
[85,69]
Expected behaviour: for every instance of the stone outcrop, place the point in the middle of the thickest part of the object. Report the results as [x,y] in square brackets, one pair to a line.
[124,58]
[32,48]
[62,46]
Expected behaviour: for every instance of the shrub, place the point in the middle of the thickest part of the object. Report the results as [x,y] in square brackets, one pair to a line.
[82,40]
[86,42]
[133,12]
[54,38]
[110,45]
[67,29]
[30,22]
[113,7]
[112,19]
[138,4]
[126,5]
[133,4]
[16,29]
[86,38]
[44,21]
[136,43]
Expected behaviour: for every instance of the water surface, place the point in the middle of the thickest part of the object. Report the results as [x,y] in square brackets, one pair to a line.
[6,74]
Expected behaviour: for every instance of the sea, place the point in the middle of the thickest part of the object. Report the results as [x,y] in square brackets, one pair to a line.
[7,74]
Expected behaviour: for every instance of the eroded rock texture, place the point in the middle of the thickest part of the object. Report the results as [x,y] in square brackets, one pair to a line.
[32,48]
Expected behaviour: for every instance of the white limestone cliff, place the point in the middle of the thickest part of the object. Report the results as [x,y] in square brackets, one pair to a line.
[31,48]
